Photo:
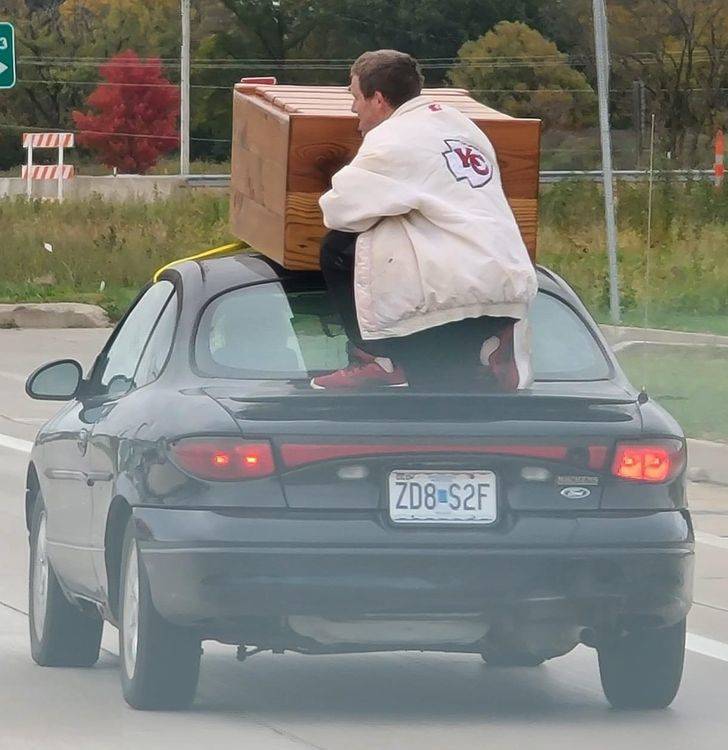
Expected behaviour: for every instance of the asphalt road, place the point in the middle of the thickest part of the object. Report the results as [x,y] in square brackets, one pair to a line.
[367,702]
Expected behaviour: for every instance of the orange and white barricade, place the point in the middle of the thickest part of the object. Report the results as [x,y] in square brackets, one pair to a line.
[59,172]
[719,163]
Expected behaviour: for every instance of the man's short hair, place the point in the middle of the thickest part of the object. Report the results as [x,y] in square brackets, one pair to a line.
[396,75]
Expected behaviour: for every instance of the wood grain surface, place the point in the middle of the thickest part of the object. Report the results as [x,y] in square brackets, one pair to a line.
[259,174]
[320,146]
[305,229]
[288,141]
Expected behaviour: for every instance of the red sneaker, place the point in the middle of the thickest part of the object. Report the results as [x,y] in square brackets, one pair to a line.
[366,372]
[508,356]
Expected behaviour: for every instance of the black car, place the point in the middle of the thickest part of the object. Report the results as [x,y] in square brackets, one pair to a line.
[195,487]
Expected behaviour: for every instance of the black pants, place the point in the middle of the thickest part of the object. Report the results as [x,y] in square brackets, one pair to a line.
[444,357]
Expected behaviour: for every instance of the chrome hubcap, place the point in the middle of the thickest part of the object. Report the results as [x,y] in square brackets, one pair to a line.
[130,619]
[40,579]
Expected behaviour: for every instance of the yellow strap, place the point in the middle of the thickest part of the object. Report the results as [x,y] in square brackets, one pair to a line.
[206,254]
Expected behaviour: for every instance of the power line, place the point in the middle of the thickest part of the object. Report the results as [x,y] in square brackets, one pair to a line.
[229,87]
[559,56]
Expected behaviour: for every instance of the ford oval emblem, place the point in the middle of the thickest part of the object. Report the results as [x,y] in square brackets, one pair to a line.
[576,493]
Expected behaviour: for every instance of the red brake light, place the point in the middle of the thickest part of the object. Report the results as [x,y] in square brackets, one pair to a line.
[224,459]
[653,462]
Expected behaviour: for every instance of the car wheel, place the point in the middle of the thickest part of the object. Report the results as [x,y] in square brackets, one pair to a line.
[61,634]
[160,663]
[643,669]
[511,658]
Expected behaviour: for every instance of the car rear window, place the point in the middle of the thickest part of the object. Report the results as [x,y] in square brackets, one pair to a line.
[271,332]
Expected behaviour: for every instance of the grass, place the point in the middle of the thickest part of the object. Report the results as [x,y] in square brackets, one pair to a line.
[689,382]
[169,165]
[97,243]
[682,282]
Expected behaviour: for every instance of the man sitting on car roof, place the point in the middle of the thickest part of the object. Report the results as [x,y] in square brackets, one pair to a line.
[425,262]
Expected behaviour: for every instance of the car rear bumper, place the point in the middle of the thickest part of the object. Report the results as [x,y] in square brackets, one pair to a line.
[212,571]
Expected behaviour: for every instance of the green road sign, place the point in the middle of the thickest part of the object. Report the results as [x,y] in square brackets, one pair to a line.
[7,56]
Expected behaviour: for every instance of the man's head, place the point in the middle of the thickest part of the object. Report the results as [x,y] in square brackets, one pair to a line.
[381,81]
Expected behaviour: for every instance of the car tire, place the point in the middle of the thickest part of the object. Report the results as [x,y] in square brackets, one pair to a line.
[643,669]
[511,658]
[61,633]
[159,663]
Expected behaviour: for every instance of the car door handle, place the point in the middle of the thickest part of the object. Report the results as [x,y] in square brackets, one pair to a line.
[64,474]
[82,442]
[98,476]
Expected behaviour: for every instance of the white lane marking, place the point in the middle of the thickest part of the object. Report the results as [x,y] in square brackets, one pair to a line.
[24,420]
[711,539]
[622,345]
[13,376]
[707,646]
[15,444]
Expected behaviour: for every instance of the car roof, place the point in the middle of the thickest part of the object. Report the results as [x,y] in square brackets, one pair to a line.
[218,273]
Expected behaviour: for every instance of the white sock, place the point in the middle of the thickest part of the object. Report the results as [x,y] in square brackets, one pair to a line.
[385,363]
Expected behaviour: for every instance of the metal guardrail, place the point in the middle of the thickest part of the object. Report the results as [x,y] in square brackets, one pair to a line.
[546,176]
[631,175]
[208,180]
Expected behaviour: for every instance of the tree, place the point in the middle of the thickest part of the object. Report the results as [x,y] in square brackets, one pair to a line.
[515,69]
[679,49]
[329,34]
[429,29]
[54,37]
[135,117]
[343,29]
[103,28]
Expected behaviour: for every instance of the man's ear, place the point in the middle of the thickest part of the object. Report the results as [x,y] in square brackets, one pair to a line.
[380,99]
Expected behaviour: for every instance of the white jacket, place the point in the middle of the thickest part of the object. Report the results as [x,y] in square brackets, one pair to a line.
[438,241]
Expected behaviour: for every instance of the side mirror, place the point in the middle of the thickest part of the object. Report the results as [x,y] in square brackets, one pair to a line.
[56,381]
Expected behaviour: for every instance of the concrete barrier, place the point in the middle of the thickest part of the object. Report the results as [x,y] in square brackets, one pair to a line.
[52,315]
[122,187]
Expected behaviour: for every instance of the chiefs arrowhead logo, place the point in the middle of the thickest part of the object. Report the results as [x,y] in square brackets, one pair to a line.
[467,163]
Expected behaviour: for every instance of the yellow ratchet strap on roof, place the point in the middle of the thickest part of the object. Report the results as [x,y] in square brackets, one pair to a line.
[206,254]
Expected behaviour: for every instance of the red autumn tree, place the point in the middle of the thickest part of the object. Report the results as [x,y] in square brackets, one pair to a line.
[134,114]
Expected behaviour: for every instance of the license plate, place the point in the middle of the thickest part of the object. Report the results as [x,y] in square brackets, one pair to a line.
[442,497]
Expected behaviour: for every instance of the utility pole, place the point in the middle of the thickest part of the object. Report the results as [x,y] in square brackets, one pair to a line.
[184,120]
[601,46]
[638,117]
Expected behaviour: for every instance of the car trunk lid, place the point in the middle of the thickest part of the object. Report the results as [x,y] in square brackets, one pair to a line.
[548,448]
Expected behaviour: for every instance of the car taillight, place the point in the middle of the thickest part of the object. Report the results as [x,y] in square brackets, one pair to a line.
[224,459]
[657,461]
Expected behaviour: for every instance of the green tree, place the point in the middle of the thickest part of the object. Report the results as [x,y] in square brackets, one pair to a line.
[103,28]
[515,69]
[314,43]
[53,38]
[679,49]
[284,29]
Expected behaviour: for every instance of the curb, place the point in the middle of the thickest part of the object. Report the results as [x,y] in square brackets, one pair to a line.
[707,462]
[621,336]
[53,315]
